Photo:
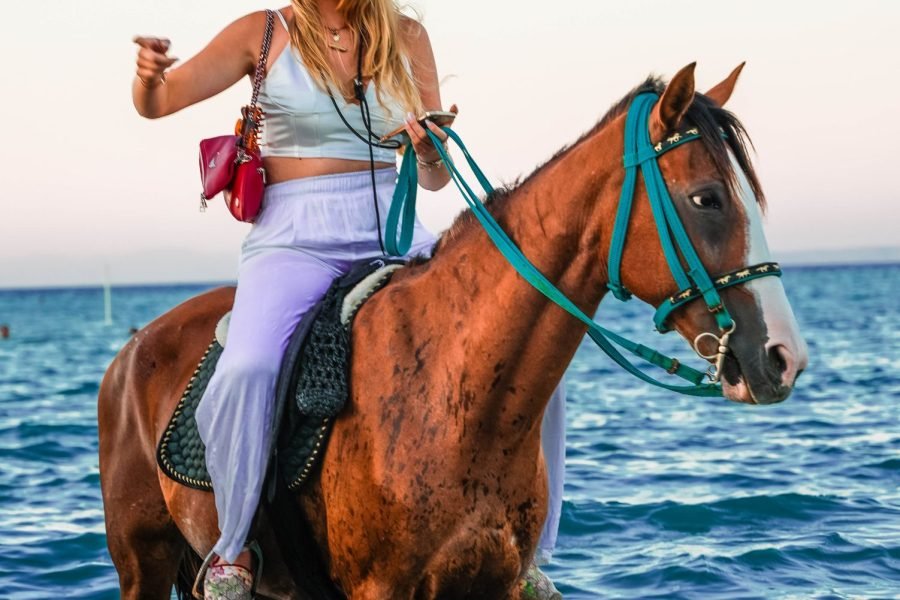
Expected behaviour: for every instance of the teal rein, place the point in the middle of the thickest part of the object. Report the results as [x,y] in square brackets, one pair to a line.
[639,152]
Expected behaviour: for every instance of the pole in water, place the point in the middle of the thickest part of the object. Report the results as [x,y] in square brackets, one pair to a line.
[107,297]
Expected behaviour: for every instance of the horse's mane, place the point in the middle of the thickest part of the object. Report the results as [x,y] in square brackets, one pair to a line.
[704,114]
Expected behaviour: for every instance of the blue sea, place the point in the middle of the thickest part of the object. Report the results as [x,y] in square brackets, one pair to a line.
[666,496]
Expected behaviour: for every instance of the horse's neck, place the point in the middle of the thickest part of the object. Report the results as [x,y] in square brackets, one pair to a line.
[518,343]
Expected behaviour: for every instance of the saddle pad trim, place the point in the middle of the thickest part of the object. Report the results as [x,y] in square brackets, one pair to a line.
[162,454]
[222,328]
[363,290]
[311,460]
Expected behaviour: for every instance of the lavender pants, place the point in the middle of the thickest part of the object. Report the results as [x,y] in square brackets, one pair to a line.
[309,232]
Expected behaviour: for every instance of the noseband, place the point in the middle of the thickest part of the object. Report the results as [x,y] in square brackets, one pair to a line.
[695,283]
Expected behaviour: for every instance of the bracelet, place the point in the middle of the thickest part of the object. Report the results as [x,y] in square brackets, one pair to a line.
[159,82]
[430,165]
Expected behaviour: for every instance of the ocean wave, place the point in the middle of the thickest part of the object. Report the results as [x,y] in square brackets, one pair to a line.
[666,497]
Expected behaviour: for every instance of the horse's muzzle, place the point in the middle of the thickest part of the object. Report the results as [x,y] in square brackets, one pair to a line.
[768,379]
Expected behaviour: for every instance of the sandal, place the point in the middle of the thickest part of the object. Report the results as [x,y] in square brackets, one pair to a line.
[537,586]
[228,582]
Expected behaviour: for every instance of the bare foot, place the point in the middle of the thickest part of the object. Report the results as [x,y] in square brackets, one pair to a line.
[245,559]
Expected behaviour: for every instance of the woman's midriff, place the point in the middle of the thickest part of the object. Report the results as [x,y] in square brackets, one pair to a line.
[279,168]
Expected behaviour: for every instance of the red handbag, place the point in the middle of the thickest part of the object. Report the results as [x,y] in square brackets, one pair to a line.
[232,164]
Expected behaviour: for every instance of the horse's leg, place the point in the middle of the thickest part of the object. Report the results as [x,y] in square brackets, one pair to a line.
[143,541]
[146,558]
[136,399]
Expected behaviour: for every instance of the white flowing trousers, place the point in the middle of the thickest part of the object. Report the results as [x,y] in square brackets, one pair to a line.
[309,232]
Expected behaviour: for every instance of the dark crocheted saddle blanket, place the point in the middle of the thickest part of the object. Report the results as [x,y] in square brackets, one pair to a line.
[312,385]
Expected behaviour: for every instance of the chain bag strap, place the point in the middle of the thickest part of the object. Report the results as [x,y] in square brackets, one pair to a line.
[232,163]
[251,114]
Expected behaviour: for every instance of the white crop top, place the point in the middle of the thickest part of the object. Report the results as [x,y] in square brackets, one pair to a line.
[301,122]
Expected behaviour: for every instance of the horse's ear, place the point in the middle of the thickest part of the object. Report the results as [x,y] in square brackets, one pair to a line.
[676,99]
[722,92]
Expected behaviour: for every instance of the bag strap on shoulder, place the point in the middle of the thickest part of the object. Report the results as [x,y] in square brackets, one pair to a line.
[251,119]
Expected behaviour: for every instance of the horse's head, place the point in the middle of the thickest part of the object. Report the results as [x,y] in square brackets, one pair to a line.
[718,199]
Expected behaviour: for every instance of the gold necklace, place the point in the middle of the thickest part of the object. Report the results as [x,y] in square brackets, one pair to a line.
[335,44]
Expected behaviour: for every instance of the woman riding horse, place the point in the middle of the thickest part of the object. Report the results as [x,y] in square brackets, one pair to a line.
[318,214]
[433,482]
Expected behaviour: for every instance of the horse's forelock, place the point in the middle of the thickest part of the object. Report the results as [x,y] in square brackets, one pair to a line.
[714,121]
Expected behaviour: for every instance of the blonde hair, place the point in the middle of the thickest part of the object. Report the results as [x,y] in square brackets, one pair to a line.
[375,24]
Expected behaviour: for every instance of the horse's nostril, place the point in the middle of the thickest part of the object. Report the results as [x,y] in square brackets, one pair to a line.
[783,363]
[777,358]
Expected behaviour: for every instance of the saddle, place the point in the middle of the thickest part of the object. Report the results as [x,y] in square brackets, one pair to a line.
[312,385]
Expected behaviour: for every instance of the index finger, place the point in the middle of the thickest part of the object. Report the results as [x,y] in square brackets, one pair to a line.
[152,43]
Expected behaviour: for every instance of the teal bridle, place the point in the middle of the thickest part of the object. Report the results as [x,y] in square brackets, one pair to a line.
[694,282]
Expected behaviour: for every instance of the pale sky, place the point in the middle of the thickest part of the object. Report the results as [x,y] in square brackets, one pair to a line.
[88,185]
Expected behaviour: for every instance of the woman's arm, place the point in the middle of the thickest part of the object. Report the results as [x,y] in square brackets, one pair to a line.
[432,176]
[232,54]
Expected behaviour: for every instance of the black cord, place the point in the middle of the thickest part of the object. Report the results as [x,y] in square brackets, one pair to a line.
[389,144]
[360,94]
[367,122]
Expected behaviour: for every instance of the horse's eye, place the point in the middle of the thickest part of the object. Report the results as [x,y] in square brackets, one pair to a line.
[706,200]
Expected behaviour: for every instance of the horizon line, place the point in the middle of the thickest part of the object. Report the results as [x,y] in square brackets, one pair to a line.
[890,262]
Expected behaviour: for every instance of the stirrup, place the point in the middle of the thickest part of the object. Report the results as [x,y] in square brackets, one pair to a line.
[254,548]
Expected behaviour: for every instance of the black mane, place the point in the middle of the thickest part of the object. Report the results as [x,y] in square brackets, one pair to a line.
[704,114]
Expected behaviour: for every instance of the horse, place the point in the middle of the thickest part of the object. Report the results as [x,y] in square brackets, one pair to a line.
[433,482]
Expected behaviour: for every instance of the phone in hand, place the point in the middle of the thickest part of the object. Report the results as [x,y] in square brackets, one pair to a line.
[441,118]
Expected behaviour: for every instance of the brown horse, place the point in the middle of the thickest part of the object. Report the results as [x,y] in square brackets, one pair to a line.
[433,484]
